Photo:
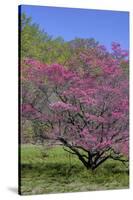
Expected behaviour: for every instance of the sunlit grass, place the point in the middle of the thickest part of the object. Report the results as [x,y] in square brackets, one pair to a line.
[54,171]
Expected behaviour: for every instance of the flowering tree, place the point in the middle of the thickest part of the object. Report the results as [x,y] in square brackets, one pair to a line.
[87,111]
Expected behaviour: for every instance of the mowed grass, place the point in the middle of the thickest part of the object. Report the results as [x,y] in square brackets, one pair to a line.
[55,171]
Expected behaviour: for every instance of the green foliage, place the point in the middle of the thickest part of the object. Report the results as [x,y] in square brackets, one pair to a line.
[27,132]
[37,44]
[32,39]
[82,44]
[61,172]
[125,66]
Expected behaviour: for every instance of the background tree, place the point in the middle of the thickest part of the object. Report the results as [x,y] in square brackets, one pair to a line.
[37,44]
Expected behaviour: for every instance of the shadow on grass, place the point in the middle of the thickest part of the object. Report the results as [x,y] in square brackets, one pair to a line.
[115,168]
[61,169]
[64,170]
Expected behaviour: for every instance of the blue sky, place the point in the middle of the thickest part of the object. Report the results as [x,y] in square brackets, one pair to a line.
[104,26]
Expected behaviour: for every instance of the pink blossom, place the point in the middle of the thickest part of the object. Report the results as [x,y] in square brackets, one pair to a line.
[63,106]
[117,115]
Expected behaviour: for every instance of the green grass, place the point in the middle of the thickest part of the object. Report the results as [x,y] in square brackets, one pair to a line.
[55,171]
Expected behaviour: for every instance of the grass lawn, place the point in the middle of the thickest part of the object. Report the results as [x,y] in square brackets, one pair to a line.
[57,171]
